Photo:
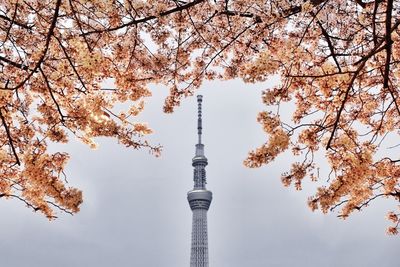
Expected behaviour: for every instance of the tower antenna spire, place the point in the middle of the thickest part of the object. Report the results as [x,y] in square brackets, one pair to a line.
[199,120]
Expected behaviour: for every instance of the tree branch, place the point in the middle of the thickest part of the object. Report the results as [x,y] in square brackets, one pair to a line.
[330,45]
[72,65]
[52,95]
[46,46]
[20,24]
[15,64]
[145,19]
[360,67]
[10,140]
[335,125]
[388,40]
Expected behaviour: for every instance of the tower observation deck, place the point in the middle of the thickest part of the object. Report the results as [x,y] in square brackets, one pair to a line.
[199,200]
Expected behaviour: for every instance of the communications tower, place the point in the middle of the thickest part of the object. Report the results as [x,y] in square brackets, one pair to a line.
[199,200]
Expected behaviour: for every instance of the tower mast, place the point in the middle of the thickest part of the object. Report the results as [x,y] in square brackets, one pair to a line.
[199,200]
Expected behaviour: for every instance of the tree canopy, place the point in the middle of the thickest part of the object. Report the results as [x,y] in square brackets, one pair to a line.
[337,60]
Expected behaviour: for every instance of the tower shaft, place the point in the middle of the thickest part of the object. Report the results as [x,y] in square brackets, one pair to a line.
[199,200]
[199,250]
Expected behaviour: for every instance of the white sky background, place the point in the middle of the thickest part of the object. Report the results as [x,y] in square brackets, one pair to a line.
[135,211]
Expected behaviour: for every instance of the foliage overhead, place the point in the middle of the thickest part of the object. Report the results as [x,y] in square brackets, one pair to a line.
[337,60]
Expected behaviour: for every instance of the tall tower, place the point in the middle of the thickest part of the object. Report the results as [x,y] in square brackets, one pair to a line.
[199,200]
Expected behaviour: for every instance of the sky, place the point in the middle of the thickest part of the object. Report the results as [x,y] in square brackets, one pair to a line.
[135,211]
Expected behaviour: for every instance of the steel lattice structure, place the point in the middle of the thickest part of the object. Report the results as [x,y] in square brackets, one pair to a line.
[199,200]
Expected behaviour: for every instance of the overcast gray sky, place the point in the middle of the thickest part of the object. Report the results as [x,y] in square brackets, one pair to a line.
[135,211]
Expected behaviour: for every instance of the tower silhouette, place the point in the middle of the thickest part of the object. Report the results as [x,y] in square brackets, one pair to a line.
[199,200]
